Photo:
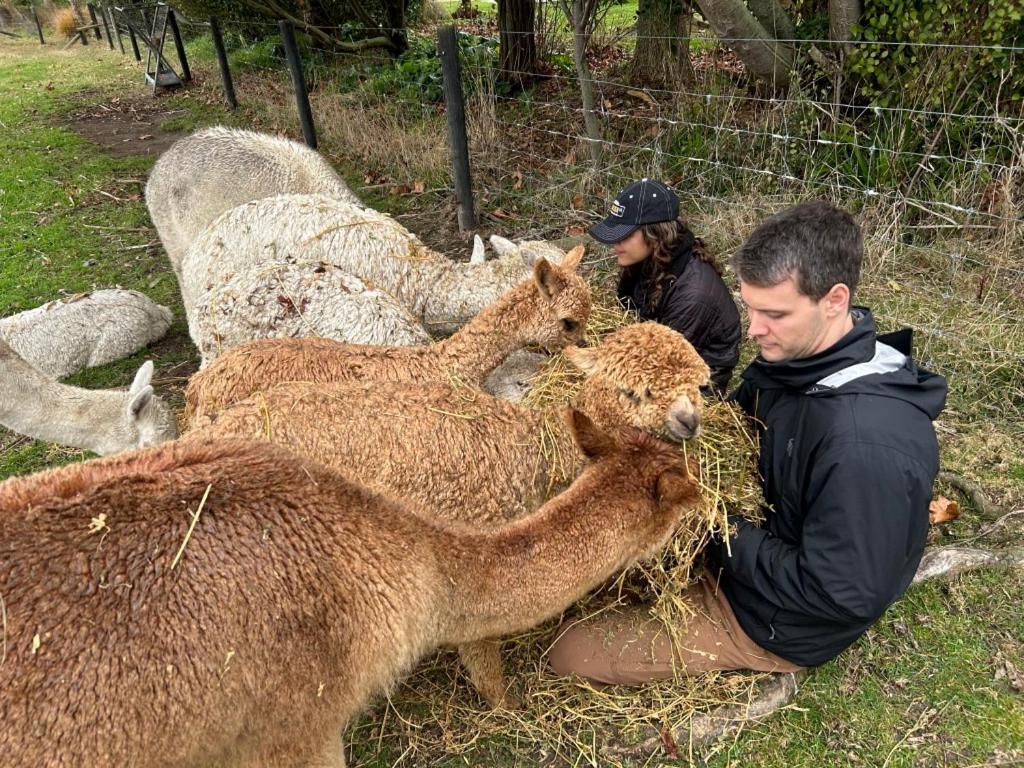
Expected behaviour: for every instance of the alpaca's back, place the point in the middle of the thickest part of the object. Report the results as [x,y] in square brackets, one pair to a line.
[289,298]
[454,451]
[133,637]
[65,336]
[366,243]
[216,169]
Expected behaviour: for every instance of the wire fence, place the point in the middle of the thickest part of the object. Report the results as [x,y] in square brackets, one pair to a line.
[936,180]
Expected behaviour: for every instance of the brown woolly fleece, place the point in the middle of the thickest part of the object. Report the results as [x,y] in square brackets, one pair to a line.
[461,455]
[551,310]
[146,627]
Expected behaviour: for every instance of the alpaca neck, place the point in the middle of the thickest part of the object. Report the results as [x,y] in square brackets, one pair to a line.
[32,404]
[512,578]
[485,341]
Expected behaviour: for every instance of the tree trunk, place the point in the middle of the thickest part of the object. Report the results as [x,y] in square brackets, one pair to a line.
[662,55]
[581,16]
[764,57]
[395,10]
[590,121]
[842,14]
[516,42]
[776,22]
[76,9]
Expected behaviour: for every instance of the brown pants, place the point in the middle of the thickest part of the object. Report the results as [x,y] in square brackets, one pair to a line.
[628,647]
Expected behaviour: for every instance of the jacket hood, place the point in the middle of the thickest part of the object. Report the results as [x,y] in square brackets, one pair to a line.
[861,362]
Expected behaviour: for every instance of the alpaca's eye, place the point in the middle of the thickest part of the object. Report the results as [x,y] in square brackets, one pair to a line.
[630,394]
[647,393]
[569,325]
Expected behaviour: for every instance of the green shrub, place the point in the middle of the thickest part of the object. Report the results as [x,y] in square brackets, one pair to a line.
[416,74]
[945,76]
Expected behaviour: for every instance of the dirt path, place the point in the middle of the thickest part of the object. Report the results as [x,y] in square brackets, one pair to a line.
[123,126]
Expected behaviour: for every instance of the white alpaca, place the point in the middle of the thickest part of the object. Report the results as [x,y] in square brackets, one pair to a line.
[102,421]
[89,329]
[215,169]
[439,292]
[289,298]
[513,379]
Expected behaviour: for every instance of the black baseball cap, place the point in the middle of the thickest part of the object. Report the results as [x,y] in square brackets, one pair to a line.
[642,202]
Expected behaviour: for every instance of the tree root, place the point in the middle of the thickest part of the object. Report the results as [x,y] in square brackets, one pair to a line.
[988,509]
[775,692]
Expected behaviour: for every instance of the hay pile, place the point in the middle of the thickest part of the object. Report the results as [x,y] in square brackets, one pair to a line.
[436,712]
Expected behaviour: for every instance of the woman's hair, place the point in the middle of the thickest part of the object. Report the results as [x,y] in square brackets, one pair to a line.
[662,236]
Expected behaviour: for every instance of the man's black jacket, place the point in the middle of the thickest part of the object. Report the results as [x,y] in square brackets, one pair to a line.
[695,302]
[848,458]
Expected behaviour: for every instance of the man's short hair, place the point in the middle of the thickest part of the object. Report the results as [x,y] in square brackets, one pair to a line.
[816,242]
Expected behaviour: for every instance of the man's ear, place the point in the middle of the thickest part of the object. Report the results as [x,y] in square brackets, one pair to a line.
[836,302]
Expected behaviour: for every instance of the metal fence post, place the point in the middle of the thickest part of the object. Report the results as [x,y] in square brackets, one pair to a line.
[106,28]
[222,61]
[186,73]
[95,21]
[117,30]
[291,50]
[134,42]
[39,27]
[448,49]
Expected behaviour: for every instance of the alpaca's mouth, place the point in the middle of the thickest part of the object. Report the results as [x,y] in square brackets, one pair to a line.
[682,430]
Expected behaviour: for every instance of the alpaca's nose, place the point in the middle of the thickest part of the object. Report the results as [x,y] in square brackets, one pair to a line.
[582,342]
[683,424]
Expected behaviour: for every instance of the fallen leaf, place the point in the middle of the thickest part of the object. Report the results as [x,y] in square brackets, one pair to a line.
[1008,671]
[669,743]
[400,189]
[577,200]
[643,96]
[518,175]
[574,230]
[419,187]
[500,214]
[942,510]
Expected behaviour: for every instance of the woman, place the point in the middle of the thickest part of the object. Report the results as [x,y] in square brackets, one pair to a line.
[668,275]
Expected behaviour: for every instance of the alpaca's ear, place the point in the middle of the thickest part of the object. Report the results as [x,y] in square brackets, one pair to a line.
[592,441]
[138,401]
[142,378]
[479,251]
[502,245]
[547,279]
[572,259]
[675,486]
[587,359]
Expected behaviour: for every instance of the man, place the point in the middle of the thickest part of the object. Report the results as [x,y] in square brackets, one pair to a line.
[847,458]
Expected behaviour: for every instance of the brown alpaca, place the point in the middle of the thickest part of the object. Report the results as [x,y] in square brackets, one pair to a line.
[461,455]
[551,310]
[224,602]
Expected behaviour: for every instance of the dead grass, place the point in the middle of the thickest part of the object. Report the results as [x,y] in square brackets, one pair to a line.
[383,137]
[65,23]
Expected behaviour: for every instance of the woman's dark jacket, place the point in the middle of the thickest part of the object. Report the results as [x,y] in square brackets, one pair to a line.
[695,302]
[848,458]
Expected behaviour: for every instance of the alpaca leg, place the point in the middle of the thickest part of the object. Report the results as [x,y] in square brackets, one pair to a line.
[482,660]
